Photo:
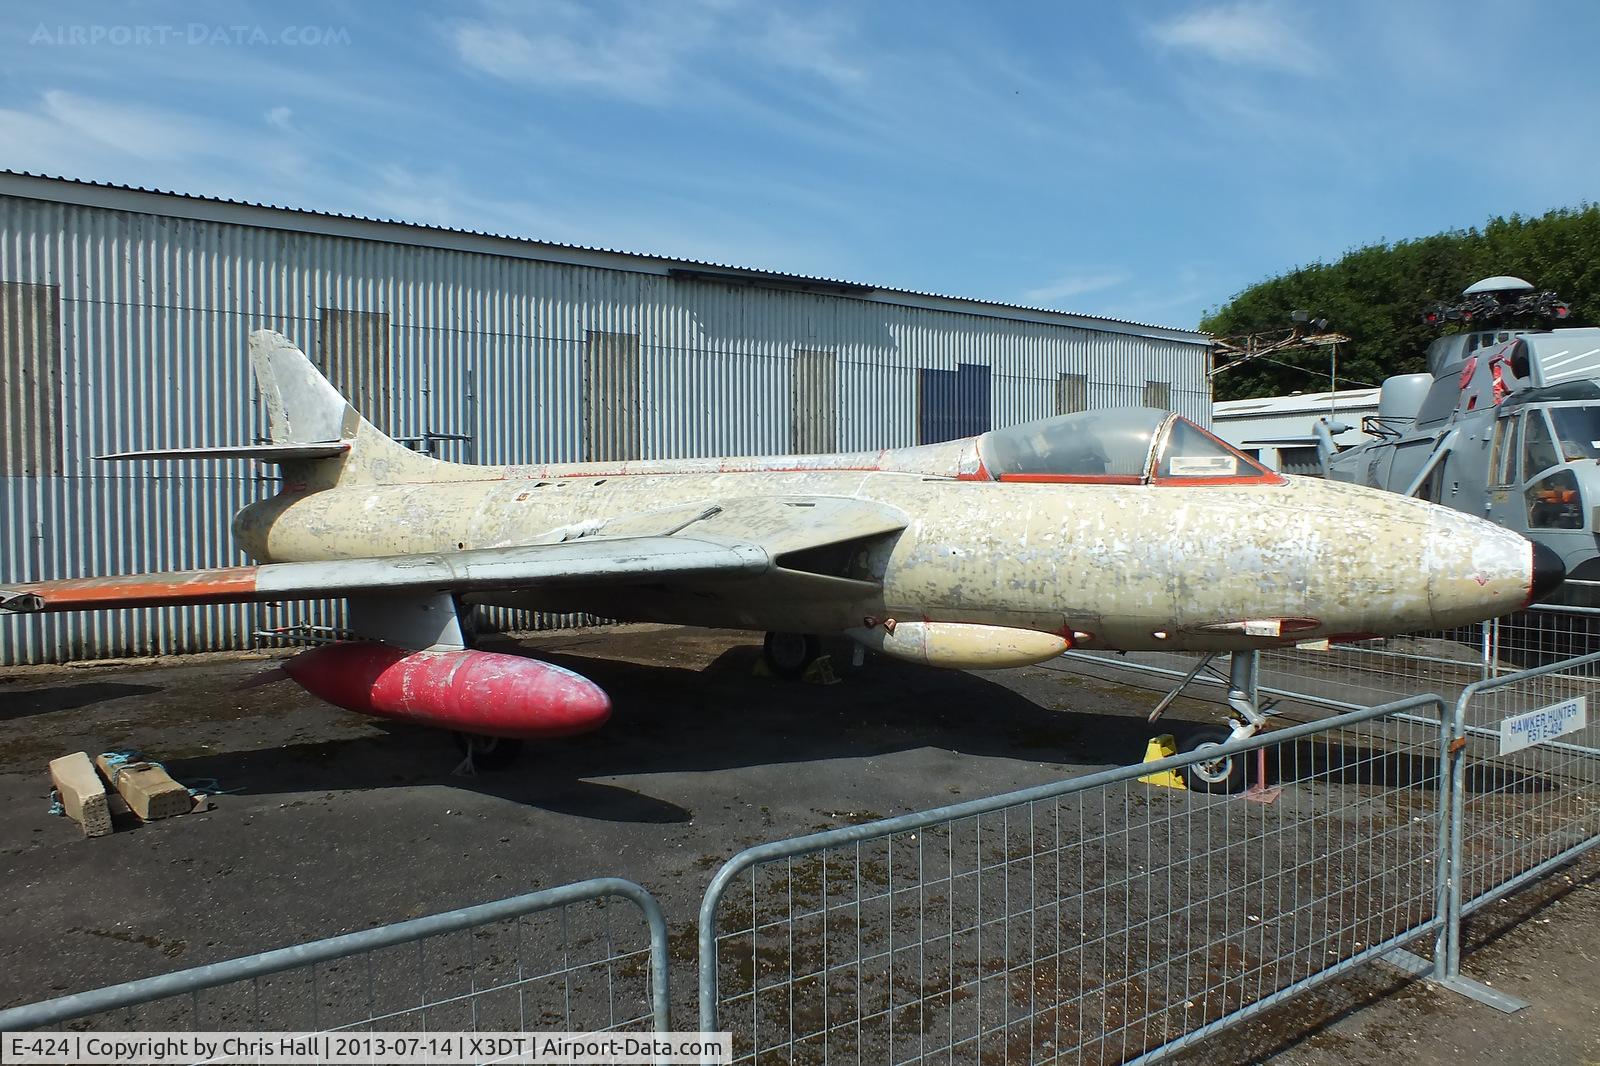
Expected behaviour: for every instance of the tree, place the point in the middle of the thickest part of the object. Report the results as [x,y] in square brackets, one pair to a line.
[1375,296]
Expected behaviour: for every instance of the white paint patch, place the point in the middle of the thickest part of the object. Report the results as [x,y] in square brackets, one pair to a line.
[1201,465]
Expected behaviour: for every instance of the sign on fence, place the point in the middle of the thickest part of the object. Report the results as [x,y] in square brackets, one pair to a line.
[1542,724]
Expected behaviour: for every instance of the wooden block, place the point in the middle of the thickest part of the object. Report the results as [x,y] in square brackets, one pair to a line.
[150,791]
[83,795]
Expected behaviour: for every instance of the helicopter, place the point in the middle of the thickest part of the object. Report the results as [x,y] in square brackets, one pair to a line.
[1505,425]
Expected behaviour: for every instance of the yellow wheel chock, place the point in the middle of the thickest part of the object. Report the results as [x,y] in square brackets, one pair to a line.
[1163,747]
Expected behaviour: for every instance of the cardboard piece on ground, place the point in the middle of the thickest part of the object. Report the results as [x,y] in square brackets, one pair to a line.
[149,790]
[83,795]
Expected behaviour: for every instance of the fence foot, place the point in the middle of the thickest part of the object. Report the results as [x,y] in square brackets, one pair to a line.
[1402,959]
[1481,992]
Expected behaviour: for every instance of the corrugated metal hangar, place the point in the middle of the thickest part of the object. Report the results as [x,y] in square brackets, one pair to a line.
[124,315]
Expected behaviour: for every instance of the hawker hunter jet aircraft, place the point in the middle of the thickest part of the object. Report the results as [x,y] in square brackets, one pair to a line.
[1127,529]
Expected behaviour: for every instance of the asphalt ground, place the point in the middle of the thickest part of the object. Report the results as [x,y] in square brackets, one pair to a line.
[331,822]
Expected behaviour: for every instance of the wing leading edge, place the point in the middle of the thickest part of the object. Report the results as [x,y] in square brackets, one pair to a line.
[793,541]
[590,561]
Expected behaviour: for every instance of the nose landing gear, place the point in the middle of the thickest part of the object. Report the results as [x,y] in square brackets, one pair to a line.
[1227,773]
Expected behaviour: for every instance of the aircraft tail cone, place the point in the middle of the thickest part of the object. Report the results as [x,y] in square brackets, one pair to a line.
[1548,572]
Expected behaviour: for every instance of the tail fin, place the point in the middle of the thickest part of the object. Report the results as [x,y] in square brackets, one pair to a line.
[303,408]
[318,437]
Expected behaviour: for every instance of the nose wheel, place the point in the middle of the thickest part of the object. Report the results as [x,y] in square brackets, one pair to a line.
[1221,775]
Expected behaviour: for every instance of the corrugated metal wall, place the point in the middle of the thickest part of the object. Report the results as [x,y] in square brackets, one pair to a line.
[128,330]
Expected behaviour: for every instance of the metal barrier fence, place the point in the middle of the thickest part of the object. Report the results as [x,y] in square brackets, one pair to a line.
[1525,795]
[1097,919]
[549,960]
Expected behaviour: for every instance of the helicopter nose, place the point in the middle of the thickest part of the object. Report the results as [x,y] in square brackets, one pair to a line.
[1548,572]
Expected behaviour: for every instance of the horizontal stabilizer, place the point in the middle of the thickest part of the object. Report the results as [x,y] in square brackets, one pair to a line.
[267,453]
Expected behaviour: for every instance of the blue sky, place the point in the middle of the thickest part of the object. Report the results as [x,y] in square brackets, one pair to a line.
[1141,160]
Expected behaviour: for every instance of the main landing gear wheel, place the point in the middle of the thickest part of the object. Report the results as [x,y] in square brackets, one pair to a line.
[788,654]
[1223,776]
[487,753]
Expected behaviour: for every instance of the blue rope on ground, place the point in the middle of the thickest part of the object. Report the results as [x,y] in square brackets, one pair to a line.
[205,786]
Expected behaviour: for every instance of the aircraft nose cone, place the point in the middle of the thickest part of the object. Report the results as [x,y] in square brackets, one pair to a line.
[1548,572]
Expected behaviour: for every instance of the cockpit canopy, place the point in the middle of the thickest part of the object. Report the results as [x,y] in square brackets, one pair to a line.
[1125,446]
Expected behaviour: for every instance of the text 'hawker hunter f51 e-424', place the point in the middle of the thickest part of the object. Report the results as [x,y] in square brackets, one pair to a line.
[1505,425]
[1123,529]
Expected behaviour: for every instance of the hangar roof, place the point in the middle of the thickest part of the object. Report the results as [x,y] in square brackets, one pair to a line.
[394,231]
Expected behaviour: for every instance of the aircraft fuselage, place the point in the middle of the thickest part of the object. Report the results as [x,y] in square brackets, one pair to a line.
[1121,566]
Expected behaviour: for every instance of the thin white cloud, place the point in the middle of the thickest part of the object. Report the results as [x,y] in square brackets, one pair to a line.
[280,118]
[649,52]
[811,46]
[80,136]
[1180,299]
[691,229]
[83,136]
[1247,33]
[1065,288]
[635,64]
[144,133]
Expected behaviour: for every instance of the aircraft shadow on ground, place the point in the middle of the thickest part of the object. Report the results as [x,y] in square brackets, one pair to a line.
[672,719]
[1322,760]
[66,698]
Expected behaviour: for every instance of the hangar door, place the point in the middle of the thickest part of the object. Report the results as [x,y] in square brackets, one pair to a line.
[952,403]
[353,351]
[815,388]
[30,380]
[611,407]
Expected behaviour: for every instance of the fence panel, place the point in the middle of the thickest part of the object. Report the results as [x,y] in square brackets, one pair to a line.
[1544,633]
[560,959]
[1526,794]
[1099,920]
[1364,673]
[1340,677]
